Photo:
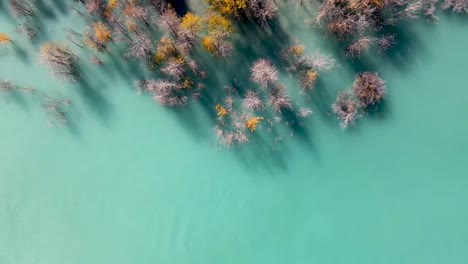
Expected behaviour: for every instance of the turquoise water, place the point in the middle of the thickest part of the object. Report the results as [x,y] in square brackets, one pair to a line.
[133,182]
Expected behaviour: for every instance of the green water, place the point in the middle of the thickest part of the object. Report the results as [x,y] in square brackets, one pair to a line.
[133,182]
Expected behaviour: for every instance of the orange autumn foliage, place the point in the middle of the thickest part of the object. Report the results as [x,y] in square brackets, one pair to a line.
[101,32]
[297,49]
[252,122]
[222,111]
[4,38]
[112,3]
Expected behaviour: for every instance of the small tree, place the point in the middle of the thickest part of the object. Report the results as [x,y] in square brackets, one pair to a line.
[369,88]
[263,72]
[102,33]
[56,110]
[22,8]
[164,92]
[262,11]
[216,41]
[252,122]
[304,112]
[279,99]
[253,101]
[346,107]
[140,48]
[4,38]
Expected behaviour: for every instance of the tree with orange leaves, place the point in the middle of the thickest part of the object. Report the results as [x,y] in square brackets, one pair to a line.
[102,33]
[4,38]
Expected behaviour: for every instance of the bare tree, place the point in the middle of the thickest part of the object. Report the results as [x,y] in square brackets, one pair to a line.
[262,11]
[460,6]
[22,8]
[6,86]
[279,99]
[346,107]
[169,22]
[385,42]
[59,59]
[359,47]
[140,48]
[164,92]
[304,112]
[369,88]
[56,110]
[253,101]
[27,28]
[263,72]
[95,59]
[174,69]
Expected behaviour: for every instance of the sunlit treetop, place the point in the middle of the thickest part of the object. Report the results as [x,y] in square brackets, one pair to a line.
[101,32]
[252,122]
[297,49]
[112,3]
[165,49]
[222,111]
[209,44]
[218,24]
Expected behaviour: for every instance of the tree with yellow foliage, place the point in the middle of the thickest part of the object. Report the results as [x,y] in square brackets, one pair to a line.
[191,22]
[222,111]
[216,41]
[228,7]
[252,122]
[102,33]
[165,49]
[100,38]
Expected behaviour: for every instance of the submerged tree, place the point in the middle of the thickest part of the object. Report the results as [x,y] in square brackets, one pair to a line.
[263,72]
[346,107]
[164,92]
[59,60]
[216,41]
[56,110]
[279,99]
[369,88]
[4,38]
[460,6]
[22,8]
[253,101]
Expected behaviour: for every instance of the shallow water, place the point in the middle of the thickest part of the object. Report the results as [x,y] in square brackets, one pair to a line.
[133,182]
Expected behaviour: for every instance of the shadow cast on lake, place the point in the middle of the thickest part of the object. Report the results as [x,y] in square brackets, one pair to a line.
[268,147]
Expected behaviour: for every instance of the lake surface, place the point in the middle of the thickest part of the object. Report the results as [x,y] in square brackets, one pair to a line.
[130,181]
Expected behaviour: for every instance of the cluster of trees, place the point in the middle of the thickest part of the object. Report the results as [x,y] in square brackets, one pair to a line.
[169,44]
[238,118]
[368,90]
[361,24]
[55,107]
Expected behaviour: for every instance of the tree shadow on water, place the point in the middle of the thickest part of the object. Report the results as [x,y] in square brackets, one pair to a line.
[94,98]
